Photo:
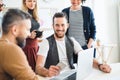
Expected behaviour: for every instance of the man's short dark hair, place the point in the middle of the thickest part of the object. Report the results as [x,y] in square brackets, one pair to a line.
[59,15]
[13,16]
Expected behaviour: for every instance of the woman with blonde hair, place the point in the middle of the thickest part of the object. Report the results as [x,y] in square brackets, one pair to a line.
[31,47]
[31,5]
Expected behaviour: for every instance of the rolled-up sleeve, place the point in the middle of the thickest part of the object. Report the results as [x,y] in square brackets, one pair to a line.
[77,46]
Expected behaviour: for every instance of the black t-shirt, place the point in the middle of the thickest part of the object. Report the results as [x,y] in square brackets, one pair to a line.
[34,24]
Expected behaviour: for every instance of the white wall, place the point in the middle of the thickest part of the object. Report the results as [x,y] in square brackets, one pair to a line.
[106,18]
[13,3]
[46,10]
[106,15]
[119,26]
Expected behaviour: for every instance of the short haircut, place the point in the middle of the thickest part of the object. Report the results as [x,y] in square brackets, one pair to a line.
[13,16]
[59,15]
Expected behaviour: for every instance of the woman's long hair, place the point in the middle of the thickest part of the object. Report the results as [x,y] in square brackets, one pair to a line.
[35,11]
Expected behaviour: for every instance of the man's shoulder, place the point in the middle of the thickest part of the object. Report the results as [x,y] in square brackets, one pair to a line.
[11,48]
[8,44]
[44,42]
[11,51]
[51,36]
[71,38]
[51,39]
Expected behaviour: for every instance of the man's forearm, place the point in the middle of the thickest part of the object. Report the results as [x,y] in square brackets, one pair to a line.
[95,64]
[42,71]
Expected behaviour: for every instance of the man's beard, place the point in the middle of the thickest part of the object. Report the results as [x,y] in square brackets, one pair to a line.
[20,42]
[59,36]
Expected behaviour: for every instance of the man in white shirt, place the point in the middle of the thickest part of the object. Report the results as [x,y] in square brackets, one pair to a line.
[59,48]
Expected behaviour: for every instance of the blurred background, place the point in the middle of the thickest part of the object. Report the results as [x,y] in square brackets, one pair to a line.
[107,19]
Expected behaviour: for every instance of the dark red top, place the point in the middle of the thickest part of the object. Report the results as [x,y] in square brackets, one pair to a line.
[31,50]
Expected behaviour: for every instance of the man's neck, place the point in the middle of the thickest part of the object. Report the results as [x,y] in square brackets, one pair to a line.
[8,38]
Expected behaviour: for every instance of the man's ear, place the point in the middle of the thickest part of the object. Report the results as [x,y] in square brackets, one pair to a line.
[68,25]
[14,30]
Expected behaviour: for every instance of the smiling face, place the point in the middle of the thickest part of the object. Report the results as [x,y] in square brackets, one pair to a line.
[30,4]
[60,27]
